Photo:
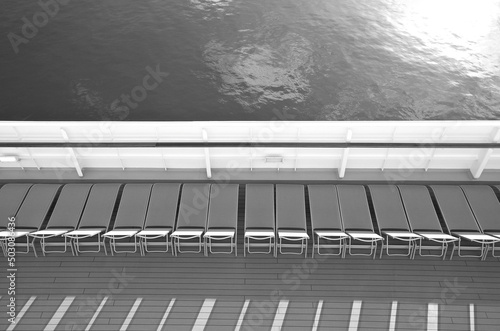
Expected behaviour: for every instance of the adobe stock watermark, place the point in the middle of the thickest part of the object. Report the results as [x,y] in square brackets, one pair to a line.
[200,199]
[120,107]
[233,167]
[419,158]
[87,309]
[10,252]
[277,125]
[292,280]
[48,9]
[139,93]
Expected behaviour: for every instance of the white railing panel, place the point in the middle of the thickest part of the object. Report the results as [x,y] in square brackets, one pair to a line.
[140,163]
[245,158]
[8,134]
[100,163]
[493,164]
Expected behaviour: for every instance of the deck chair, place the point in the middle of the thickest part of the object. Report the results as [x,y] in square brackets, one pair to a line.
[291,219]
[424,220]
[391,220]
[222,223]
[192,218]
[130,218]
[95,219]
[33,212]
[497,187]
[259,227]
[326,221]
[460,221]
[11,198]
[485,207]
[65,217]
[357,219]
[160,220]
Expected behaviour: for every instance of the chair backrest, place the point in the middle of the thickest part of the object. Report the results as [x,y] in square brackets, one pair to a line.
[354,208]
[100,204]
[69,206]
[324,208]
[133,206]
[290,207]
[11,198]
[388,207]
[419,208]
[163,205]
[455,208]
[223,210]
[193,209]
[259,206]
[484,205]
[36,205]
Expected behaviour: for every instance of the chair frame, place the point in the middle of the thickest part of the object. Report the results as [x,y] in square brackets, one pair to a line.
[371,238]
[254,235]
[330,236]
[444,241]
[493,246]
[220,235]
[118,234]
[485,244]
[75,237]
[293,236]
[43,235]
[409,237]
[143,244]
[178,236]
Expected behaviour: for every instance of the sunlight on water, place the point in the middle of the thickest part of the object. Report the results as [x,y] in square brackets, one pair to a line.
[458,29]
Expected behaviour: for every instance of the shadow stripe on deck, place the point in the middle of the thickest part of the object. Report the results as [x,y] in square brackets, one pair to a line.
[320,319]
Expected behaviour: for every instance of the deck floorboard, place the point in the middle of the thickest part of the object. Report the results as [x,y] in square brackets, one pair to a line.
[264,280]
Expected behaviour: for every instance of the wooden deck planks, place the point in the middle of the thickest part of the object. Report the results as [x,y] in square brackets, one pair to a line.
[264,280]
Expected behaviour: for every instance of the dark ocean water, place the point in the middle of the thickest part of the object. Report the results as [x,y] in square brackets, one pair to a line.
[248,60]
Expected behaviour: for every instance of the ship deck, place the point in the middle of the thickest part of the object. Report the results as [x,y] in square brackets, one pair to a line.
[257,292]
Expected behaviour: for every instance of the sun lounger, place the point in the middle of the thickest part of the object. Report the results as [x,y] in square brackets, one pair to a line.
[291,219]
[130,217]
[160,220]
[423,219]
[192,218]
[95,218]
[326,221]
[222,219]
[495,232]
[259,218]
[64,218]
[460,220]
[486,208]
[391,219]
[11,198]
[33,212]
[356,218]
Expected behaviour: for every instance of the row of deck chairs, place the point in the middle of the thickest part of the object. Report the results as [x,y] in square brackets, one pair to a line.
[204,217]
[406,217]
[147,216]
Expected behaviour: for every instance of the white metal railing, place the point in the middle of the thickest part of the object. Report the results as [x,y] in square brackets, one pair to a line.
[338,159]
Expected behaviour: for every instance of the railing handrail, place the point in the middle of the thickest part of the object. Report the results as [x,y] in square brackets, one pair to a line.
[244,144]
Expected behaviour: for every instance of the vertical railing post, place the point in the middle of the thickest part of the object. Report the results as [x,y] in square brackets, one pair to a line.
[345,155]
[484,156]
[207,154]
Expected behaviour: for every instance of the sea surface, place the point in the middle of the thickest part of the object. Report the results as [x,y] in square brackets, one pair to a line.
[240,60]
